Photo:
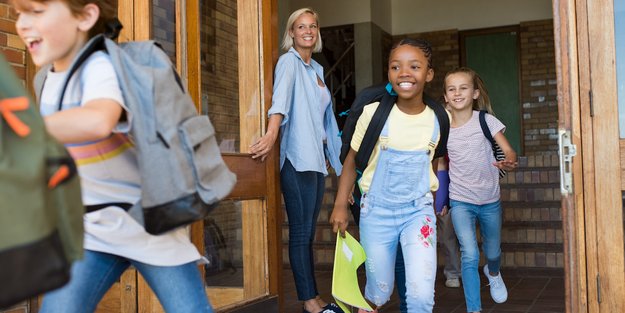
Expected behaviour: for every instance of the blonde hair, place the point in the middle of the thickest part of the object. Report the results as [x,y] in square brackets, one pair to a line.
[483,101]
[287,40]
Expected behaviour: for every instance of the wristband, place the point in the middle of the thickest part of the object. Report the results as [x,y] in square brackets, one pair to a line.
[442,194]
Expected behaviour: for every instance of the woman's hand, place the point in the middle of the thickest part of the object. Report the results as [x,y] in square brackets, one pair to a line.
[262,147]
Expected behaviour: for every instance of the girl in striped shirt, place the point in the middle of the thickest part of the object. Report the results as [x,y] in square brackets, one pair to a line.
[474,183]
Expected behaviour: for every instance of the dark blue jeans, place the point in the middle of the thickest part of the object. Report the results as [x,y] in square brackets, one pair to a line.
[303,194]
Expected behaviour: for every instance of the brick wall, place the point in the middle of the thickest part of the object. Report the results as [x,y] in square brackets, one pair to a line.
[11,45]
[538,88]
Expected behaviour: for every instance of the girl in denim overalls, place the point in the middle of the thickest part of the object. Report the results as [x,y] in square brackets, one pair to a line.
[397,184]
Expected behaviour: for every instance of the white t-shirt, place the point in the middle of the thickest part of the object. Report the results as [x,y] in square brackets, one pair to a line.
[109,173]
[472,175]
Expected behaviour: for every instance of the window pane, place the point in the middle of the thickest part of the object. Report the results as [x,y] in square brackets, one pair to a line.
[220,71]
[223,245]
[164,26]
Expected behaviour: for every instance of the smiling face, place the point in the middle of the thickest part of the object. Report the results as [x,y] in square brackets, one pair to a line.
[460,91]
[51,32]
[408,71]
[305,32]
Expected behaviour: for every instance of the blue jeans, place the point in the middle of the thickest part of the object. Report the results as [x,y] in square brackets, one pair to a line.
[178,288]
[464,216]
[303,194]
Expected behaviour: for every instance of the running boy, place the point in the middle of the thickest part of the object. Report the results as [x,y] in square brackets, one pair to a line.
[93,124]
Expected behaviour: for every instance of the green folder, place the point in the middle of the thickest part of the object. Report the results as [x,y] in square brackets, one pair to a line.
[348,256]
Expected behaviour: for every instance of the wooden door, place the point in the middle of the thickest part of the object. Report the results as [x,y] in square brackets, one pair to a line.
[592,210]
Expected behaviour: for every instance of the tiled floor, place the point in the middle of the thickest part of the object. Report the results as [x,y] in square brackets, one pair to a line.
[530,291]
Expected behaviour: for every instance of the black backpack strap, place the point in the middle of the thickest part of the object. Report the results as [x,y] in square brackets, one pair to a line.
[95,44]
[443,123]
[485,128]
[373,131]
[368,95]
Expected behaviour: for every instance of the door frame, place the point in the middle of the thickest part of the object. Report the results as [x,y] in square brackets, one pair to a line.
[592,216]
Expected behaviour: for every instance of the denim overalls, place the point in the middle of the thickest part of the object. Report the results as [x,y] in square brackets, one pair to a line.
[398,208]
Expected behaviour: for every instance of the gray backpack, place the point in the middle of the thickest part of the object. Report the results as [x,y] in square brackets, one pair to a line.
[183,175]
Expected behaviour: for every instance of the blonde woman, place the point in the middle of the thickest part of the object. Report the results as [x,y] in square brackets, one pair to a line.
[301,111]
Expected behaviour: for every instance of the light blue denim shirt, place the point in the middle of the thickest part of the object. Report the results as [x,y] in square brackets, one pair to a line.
[296,96]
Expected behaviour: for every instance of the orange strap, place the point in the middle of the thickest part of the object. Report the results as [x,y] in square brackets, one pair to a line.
[7,109]
[59,176]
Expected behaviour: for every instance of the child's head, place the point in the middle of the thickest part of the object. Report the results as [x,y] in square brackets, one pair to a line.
[464,87]
[292,32]
[55,30]
[410,67]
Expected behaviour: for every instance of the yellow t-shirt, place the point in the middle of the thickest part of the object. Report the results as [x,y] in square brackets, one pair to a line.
[405,133]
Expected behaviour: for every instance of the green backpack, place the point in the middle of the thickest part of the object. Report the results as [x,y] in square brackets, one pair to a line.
[41,211]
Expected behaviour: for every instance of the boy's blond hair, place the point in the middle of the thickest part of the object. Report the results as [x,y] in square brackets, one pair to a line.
[108,11]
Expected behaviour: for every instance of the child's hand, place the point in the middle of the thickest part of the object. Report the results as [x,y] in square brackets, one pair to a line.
[339,219]
[443,212]
[350,198]
[506,165]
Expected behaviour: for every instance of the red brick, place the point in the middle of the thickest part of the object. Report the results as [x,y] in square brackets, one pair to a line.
[13,56]
[7,26]
[4,11]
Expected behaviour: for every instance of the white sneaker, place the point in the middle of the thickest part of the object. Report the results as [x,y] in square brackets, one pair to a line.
[452,283]
[498,290]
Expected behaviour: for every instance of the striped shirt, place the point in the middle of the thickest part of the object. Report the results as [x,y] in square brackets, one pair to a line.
[473,177]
